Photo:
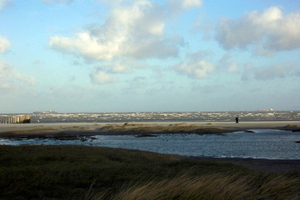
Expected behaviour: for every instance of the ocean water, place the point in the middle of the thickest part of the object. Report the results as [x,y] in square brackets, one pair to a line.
[162,116]
[262,143]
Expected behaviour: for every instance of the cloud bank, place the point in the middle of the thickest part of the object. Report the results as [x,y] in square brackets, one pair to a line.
[135,30]
[272,30]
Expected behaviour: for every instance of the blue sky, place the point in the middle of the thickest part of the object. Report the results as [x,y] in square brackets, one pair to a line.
[149,55]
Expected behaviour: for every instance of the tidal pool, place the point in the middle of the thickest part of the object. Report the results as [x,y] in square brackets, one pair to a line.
[261,143]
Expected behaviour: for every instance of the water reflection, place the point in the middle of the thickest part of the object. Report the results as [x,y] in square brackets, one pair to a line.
[267,144]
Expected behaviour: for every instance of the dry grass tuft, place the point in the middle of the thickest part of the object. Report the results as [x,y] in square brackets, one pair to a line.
[217,186]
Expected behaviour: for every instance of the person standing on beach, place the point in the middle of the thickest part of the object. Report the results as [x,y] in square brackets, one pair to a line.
[237,120]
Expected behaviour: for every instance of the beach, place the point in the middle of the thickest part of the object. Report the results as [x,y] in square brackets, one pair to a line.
[142,127]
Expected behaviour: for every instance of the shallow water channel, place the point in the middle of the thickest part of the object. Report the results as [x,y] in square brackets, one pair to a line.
[261,143]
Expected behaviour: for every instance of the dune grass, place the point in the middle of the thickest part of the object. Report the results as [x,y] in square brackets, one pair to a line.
[218,186]
[81,172]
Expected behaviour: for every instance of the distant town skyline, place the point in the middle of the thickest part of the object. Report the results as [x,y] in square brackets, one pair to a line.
[149,55]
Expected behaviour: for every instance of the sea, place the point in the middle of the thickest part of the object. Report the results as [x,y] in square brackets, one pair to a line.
[53,117]
[256,143]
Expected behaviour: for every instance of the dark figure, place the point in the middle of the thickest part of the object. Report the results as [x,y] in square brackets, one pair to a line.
[237,120]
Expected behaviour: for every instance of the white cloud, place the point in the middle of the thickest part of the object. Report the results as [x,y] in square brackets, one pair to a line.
[176,7]
[4,44]
[188,4]
[57,1]
[119,68]
[86,45]
[100,77]
[122,66]
[198,70]
[135,29]
[269,72]
[11,79]
[272,30]
[4,3]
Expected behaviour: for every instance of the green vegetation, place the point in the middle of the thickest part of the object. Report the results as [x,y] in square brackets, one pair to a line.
[81,172]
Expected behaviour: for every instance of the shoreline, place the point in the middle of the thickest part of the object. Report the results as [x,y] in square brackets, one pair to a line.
[140,128]
[146,129]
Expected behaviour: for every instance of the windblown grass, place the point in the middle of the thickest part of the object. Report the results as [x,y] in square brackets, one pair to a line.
[219,186]
[81,172]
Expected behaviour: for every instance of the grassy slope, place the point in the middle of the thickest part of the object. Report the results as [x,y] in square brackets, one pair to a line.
[80,172]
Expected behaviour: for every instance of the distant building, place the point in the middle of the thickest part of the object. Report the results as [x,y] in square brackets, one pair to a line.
[17,119]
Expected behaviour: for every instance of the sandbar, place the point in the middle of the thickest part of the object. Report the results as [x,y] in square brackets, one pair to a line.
[142,128]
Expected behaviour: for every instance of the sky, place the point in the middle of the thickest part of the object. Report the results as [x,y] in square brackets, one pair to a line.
[149,55]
